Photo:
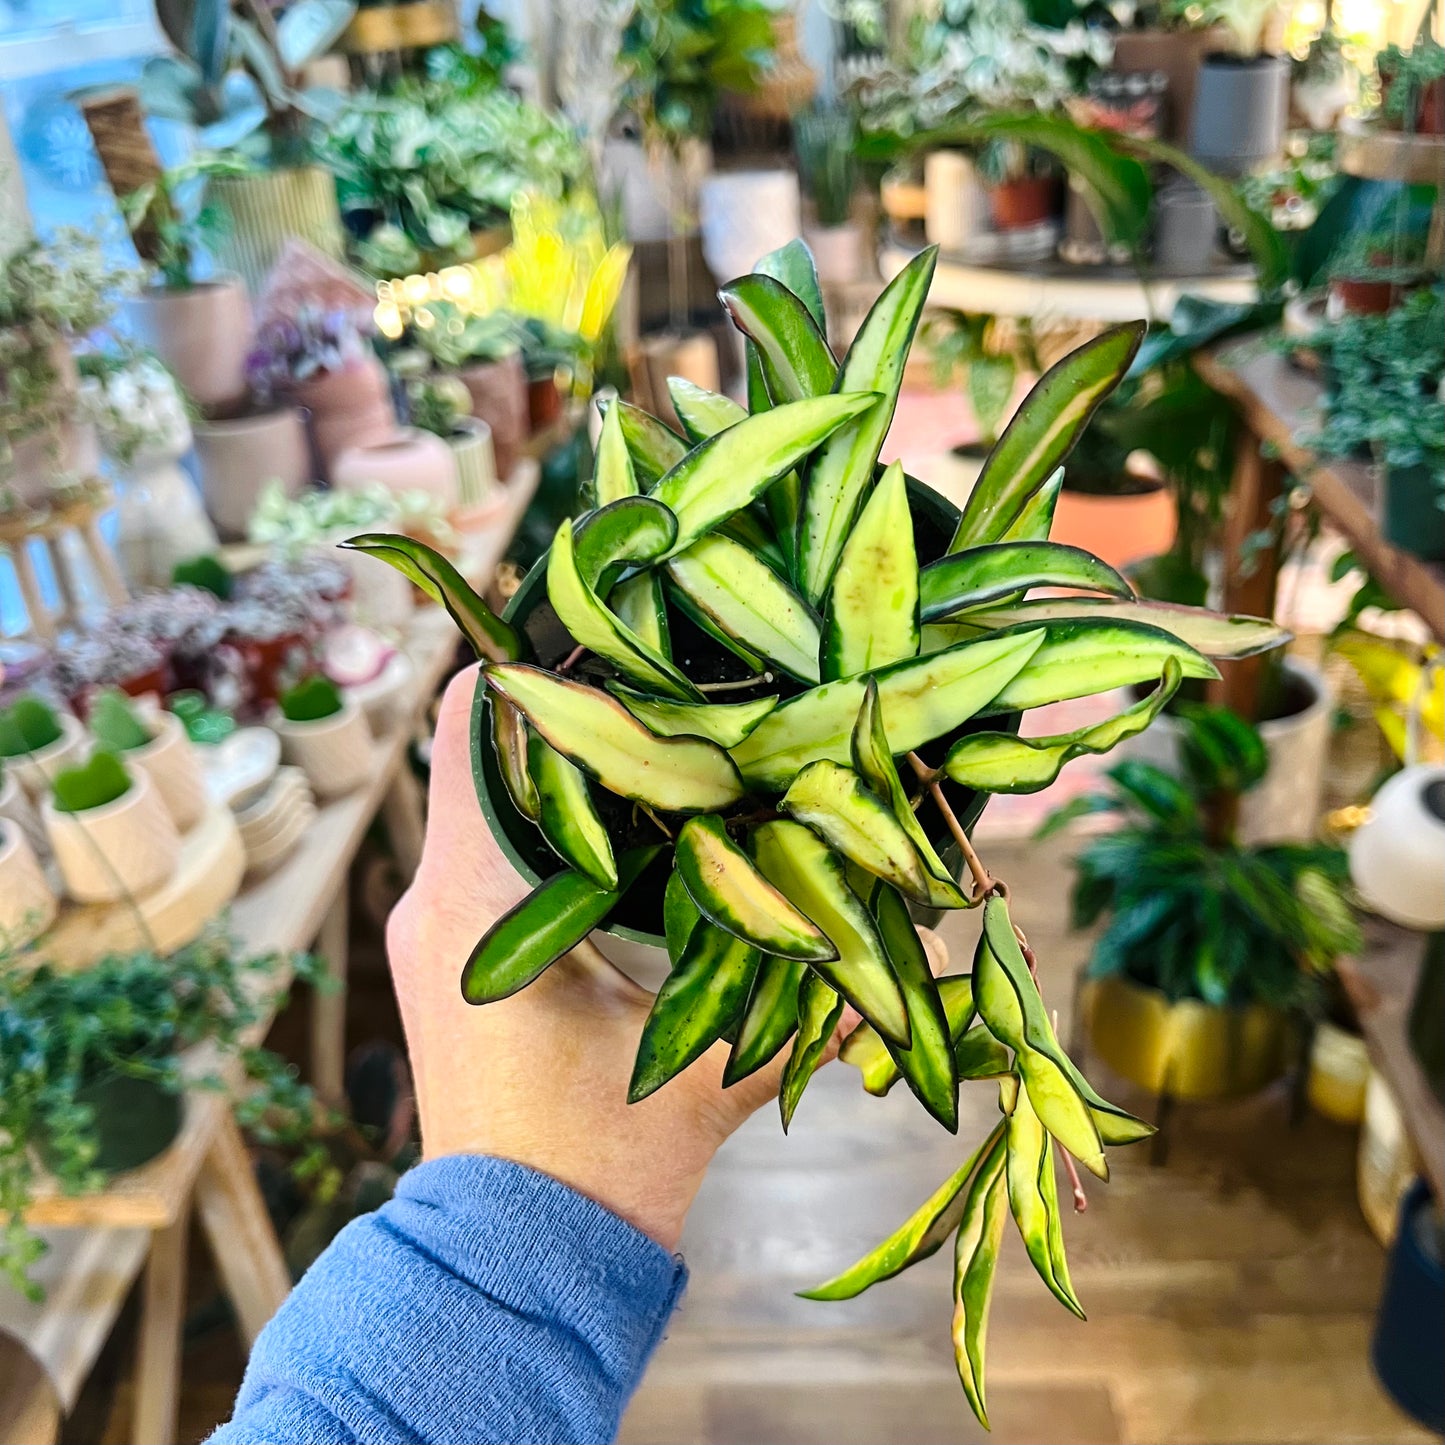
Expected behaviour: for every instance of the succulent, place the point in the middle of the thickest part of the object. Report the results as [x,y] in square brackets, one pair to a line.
[95,783]
[28,725]
[114,723]
[313,698]
[767,688]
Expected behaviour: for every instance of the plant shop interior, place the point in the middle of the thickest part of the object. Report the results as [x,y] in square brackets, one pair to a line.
[898,544]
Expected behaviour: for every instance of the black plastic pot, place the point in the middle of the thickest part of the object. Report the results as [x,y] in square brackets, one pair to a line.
[1410,514]
[1241,103]
[135,1120]
[1408,1348]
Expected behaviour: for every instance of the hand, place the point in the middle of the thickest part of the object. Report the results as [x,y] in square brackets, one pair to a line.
[541,1077]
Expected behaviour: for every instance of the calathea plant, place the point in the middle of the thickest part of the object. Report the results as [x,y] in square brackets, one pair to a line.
[747,698]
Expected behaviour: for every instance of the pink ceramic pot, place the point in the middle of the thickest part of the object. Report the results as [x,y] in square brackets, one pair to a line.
[349,408]
[202,333]
[240,456]
[409,460]
[499,396]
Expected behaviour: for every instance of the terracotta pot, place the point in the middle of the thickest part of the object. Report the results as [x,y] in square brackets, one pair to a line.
[1365,295]
[239,457]
[499,397]
[334,752]
[33,771]
[1121,530]
[171,762]
[408,460]
[126,848]
[544,403]
[348,408]
[265,209]
[202,333]
[150,683]
[27,905]
[1016,205]
[1177,54]
[268,666]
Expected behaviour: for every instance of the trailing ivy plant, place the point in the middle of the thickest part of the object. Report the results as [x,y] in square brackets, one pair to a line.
[770,684]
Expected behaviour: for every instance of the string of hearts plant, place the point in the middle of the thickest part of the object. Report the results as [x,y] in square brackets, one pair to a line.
[693,720]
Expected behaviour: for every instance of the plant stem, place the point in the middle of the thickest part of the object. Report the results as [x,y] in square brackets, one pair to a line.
[983,881]
[738,686]
[572,659]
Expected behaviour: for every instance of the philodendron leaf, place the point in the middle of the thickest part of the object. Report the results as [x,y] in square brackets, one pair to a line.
[872,613]
[703,413]
[676,775]
[920,1235]
[819,1009]
[794,266]
[979,575]
[795,359]
[490,637]
[723,474]
[628,532]
[509,739]
[679,915]
[592,626]
[921,698]
[810,875]
[612,474]
[770,1019]
[700,999]
[842,472]
[730,892]
[872,1056]
[1043,432]
[1005,763]
[837,805]
[748,600]
[1036,519]
[724,723]
[975,1257]
[655,449]
[1212,633]
[567,815]
[550,921]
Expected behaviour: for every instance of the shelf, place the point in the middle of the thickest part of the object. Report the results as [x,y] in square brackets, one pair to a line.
[1387,155]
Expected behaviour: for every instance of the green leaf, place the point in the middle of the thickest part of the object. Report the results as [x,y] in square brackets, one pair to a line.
[730,892]
[1036,520]
[978,1055]
[550,921]
[978,575]
[811,877]
[842,472]
[639,606]
[872,613]
[612,475]
[723,723]
[723,474]
[819,1009]
[703,413]
[745,529]
[1043,432]
[490,637]
[998,762]
[921,698]
[975,1257]
[695,1006]
[567,815]
[872,1055]
[919,1236]
[309,28]
[655,449]
[748,601]
[113,722]
[509,740]
[689,609]
[679,915]
[770,1019]
[676,775]
[28,725]
[100,780]
[629,531]
[793,265]
[790,347]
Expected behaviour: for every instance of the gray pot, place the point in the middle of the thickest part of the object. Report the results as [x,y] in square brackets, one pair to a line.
[1241,103]
[1184,238]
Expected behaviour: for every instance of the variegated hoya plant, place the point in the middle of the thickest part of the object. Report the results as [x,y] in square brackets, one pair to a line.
[758,694]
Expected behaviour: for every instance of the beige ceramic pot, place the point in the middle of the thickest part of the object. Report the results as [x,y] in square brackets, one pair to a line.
[407,460]
[349,407]
[171,762]
[692,356]
[33,771]
[266,209]
[334,752]
[15,805]
[122,850]
[499,397]
[239,457]
[476,463]
[27,905]
[202,333]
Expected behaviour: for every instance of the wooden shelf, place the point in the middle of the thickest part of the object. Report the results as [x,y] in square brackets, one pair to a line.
[1387,155]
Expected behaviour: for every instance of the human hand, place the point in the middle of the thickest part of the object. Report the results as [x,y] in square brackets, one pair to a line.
[541,1078]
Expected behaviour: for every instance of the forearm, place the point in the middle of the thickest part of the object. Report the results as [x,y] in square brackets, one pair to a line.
[485,1303]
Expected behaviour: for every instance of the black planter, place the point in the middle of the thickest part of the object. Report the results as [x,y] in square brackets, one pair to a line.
[135,1120]
[1241,103]
[1408,1349]
[1410,515]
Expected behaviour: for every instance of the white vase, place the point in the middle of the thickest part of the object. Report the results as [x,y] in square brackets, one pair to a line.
[334,752]
[746,214]
[171,762]
[125,849]
[956,209]
[34,770]
[159,517]
[27,905]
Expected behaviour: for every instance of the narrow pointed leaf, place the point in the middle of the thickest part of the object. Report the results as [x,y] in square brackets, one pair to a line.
[865,1050]
[682,775]
[679,915]
[792,351]
[689,609]
[655,449]
[979,575]
[639,606]
[783,501]
[794,266]
[724,723]
[568,817]
[979,1055]
[612,473]
[1043,432]
[811,877]
[819,1009]
[628,532]
[975,1257]
[872,612]
[550,921]
[1036,518]
[842,472]
[491,638]
[920,699]
[703,413]
[745,529]
[770,1019]
[509,739]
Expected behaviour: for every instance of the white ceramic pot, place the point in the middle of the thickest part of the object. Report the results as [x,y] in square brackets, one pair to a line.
[240,457]
[956,208]
[34,770]
[123,850]
[476,463]
[1397,856]
[334,752]
[27,905]
[202,333]
[171,762]
[159,517]
[746,214]
[837,252]
[15,805]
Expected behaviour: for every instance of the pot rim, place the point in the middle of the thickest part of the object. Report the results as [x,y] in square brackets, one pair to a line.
[317,726]
[223,281]
[235,426]
[72,731]
[140,788]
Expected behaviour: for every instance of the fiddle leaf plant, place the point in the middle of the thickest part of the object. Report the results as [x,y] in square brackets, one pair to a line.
[753,698]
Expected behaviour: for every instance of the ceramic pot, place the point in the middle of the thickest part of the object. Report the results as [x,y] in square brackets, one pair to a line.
[122,850]
[27,906]
[1185,229]
[350,407]
[746,214]
[202,333]
[1410,515]
[692,356]
[16,807]
[135,1121]
[241,456]
[406,460]
[334,752]
[171,762]
[1177,55]
[544,403]
[64,448]
[838,252]
[957,208]
[1120,529]
[1409,1338]
[160,520]
[265,209]
[1339,1073]
[476,463]
[1021,204]
[1188,1050]
[1240,107]
[1365,295]
[33,771]
[499,397]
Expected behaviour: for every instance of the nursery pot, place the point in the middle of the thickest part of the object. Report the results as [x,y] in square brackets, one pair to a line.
[33,771]
[1017,205]
[544,402]
[1121,528]
[631,937]
[1241,103]
[265,209]
[239,457]
[1185,232]
[1409,1339]
[27,905]
[202,333]
[123,849]
[334,752]
[1177,55]
[348,407]
[406,459]
[135,1120]
[499,397]
[1188,1050]
[1410,514]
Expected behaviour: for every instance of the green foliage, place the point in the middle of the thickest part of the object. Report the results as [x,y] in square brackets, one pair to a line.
[455,337]
[313,698]
[28,725]
[207,572]
[1405,75]
[437,403]
[823,142]
[171,221]
[114,724]
[959,341]
[100,780]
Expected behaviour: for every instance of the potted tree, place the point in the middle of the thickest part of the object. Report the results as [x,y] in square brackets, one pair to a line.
[1241,99]
[159,746]
[707,752]
[324,735]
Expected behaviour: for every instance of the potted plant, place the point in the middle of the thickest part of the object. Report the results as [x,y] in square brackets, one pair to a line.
[1324,81]
[1373,271]
[36,742]
[1161,37]
[27,904]
[109,655]
[1209,944]
[1241,99]
[707,752]
[824,140]
[110,832]
[442,405]
[159,746]
[324,735]
[91,1067]
[1412,86]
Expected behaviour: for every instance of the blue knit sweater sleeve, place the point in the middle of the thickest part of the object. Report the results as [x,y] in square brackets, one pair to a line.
[485,1303]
